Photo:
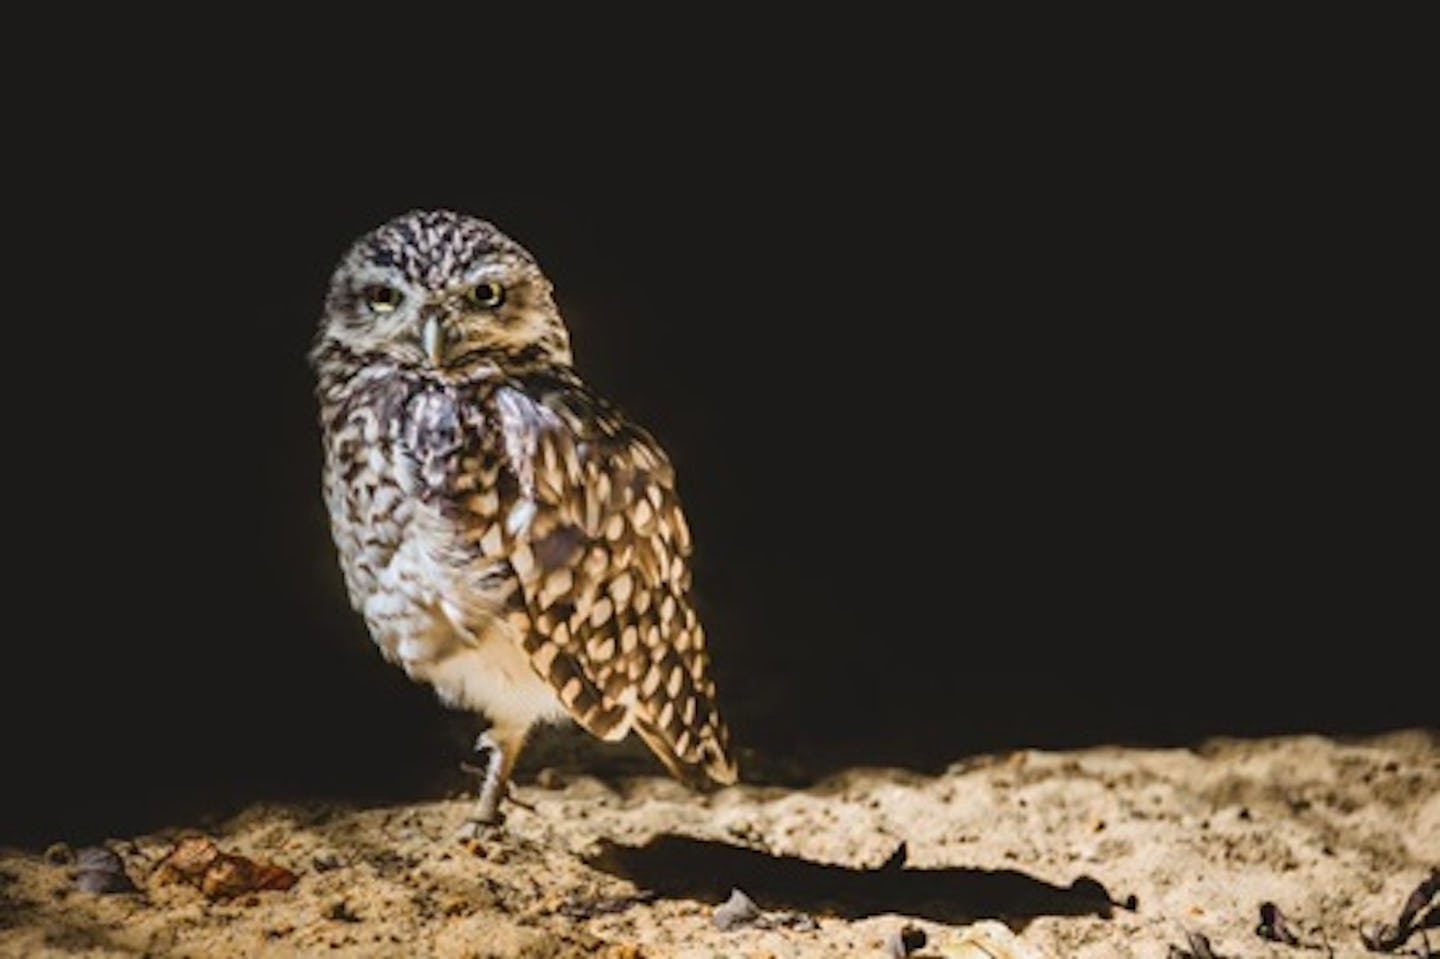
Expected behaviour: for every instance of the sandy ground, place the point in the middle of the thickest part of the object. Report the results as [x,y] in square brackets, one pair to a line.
[1098,852]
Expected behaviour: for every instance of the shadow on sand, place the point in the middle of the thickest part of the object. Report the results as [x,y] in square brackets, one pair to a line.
[681,866]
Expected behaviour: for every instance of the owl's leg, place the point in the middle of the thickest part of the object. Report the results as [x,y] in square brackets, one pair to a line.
[501,746]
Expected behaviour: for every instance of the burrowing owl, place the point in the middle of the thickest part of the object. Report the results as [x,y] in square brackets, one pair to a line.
[509,536]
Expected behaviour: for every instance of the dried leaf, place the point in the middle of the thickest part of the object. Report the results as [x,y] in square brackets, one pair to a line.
[220,875]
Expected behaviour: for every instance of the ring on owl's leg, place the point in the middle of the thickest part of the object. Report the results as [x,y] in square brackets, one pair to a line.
[501,747]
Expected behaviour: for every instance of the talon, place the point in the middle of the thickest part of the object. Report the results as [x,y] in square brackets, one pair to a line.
[476,830]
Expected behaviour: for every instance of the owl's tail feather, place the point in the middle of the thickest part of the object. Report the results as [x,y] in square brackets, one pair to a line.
[714,768]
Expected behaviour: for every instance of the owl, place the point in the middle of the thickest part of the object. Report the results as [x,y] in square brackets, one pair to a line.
[509,536]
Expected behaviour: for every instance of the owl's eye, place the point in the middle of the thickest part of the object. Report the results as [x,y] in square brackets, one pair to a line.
[487,294]
[381,298]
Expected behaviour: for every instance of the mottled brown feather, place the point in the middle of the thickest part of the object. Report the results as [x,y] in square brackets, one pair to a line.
[583,441]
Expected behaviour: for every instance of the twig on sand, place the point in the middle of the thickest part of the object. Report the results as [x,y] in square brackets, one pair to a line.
[1388,938]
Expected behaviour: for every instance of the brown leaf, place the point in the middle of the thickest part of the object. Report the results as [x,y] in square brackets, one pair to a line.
[220,875]
[187,861]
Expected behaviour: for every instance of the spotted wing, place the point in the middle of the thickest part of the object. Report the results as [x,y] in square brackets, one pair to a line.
[602,559]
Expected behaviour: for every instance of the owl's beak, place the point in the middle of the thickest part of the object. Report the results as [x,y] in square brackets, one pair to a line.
[433,337]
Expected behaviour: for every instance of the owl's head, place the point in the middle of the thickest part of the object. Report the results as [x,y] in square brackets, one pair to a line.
[445,292]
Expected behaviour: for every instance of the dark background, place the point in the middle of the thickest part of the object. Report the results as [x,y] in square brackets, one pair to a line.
[1036,412]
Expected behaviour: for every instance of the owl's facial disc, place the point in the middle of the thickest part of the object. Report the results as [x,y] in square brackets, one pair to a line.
[444,293]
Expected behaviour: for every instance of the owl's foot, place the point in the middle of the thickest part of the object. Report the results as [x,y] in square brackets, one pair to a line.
[496,748]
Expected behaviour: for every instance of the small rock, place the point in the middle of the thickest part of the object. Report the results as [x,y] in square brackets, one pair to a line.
[325,862]
[736,911]
[548,778]
[101,871]
[903,941]
[1274,926]
[59,854]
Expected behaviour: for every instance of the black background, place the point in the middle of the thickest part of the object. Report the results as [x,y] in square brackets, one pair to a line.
[1009,409]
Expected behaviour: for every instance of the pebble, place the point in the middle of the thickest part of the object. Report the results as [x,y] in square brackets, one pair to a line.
[903,941]
[736,911]
[101,871]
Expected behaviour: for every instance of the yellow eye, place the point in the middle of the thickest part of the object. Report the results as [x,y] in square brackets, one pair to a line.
[382,299]
[487,294]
